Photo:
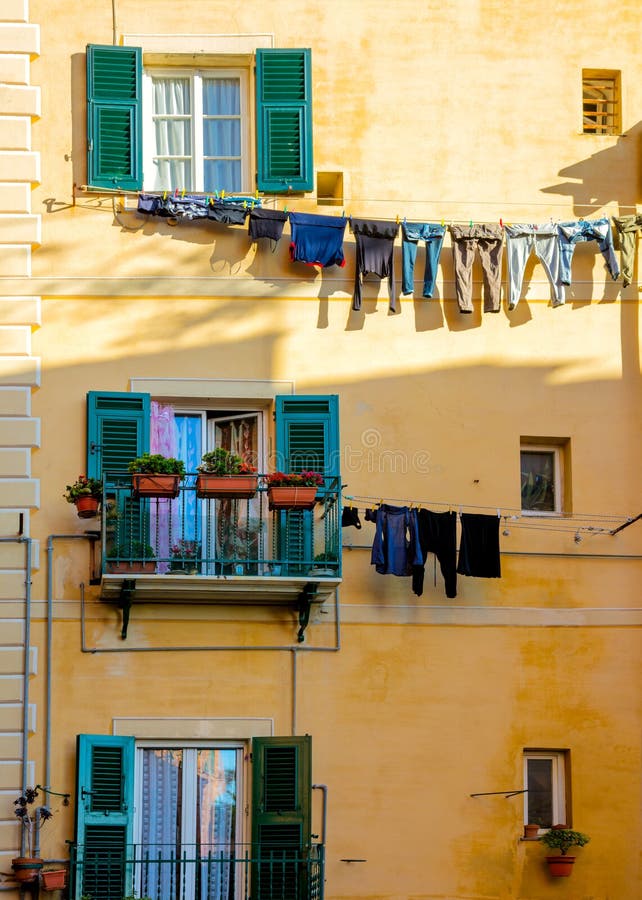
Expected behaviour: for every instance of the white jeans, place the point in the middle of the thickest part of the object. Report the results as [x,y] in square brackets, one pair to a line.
[521,240]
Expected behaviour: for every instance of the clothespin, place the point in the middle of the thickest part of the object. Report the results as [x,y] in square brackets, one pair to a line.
[164,195]
[222,195]
[397,219]
[182,193]
[285,208]
[501,224]
[256,195]
[499,515]
[470,223]
[175,193]
[443,223]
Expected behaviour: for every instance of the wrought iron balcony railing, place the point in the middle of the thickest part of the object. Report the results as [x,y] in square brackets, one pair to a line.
[212,872]
[192,534]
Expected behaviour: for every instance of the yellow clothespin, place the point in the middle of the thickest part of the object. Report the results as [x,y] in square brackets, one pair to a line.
[182,193]
[222,195]
[164,195]
[256,195]
[397,219]
[245,204]
[442,223]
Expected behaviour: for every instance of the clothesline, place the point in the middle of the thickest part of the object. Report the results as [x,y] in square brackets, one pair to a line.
[511,515]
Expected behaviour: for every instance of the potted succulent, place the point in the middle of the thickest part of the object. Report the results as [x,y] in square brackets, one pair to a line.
[86,494]
[562,838]
[185,557]
[155,475]
[131,557]
[27,868]
[224,475]
[294,490]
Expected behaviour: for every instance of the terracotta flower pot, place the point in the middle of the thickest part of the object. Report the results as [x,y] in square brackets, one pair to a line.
[226,487]
[26,868]
[560,866]
[53,879]
[87,507]
[145,485]
[126,568]
[531,831]
[292,497]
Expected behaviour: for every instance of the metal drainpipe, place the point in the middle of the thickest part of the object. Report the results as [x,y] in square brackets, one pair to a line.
[324,819]
[27,652]
[50,549]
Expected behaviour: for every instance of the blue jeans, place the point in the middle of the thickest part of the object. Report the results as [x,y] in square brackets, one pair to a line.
[412,233]
[571,233]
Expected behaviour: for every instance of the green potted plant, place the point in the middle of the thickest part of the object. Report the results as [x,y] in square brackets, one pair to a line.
[155,475]
[135,556]
[325,564]
[562,838]
[293,490]
[27,868]
[185,557]
[86,494]
[224,475]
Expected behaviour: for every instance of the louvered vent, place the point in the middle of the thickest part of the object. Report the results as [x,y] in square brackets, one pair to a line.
[318,407]
[285,143]
[120,443]
[114,152]
[306,446]
[114,75]
[280,779]
[277,837]
[106,779]
[283,77]
[106,401]
[103,865]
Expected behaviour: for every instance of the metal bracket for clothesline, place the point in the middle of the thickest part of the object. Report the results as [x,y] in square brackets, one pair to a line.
[495,793]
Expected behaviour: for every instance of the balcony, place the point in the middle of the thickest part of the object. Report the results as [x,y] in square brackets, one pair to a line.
[194,549]
[212,872]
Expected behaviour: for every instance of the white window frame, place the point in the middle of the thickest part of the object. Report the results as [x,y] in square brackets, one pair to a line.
[196,76]
[558,474]
[188,810]
[558,784]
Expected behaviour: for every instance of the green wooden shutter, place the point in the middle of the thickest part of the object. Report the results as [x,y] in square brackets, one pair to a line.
[284,120]
[114,122]
[307,433]
[117,430]
[281,816]
[104,816]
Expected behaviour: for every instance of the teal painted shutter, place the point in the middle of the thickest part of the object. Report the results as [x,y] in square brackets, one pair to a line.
[284,120]
[117,430]
[114,123]
[104,816]
[307,433]
[307,437]
[281,816]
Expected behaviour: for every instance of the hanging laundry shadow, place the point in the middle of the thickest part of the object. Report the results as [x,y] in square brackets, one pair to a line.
[611,175]
[428,312]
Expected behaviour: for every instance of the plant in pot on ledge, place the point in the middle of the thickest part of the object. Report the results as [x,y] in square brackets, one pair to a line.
[562,838]
[155,475]
[135,556]
[185,557]
[27,868]
[86,494]
[224,475]
[294,490]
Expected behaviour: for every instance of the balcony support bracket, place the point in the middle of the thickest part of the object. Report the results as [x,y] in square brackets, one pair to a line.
[127,592]
[304,606]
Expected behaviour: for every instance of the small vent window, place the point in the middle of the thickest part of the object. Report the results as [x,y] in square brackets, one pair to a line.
[601,102]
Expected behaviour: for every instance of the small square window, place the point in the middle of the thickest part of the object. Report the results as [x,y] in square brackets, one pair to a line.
[601,101]
[545,774]
[541,479]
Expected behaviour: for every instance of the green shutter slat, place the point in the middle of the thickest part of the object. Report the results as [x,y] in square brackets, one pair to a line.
[284,120]
[114,120]
[281,792]
[104,816]
[280,779]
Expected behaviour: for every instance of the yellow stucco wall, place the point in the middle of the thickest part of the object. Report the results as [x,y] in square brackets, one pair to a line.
[459,111]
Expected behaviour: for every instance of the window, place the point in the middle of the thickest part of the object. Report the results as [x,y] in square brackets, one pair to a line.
[545,773]
[601,101]
[541,471]
[197,136]
[196,123]
[167,820]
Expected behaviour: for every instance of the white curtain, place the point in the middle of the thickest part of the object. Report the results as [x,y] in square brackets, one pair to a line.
[173,133]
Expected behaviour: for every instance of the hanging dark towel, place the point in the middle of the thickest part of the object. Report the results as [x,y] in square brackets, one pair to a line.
[438,535]
[479,546]
[227,213]
[375,253]
[266,223]
[317,240]
[350,516]
[396,549]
